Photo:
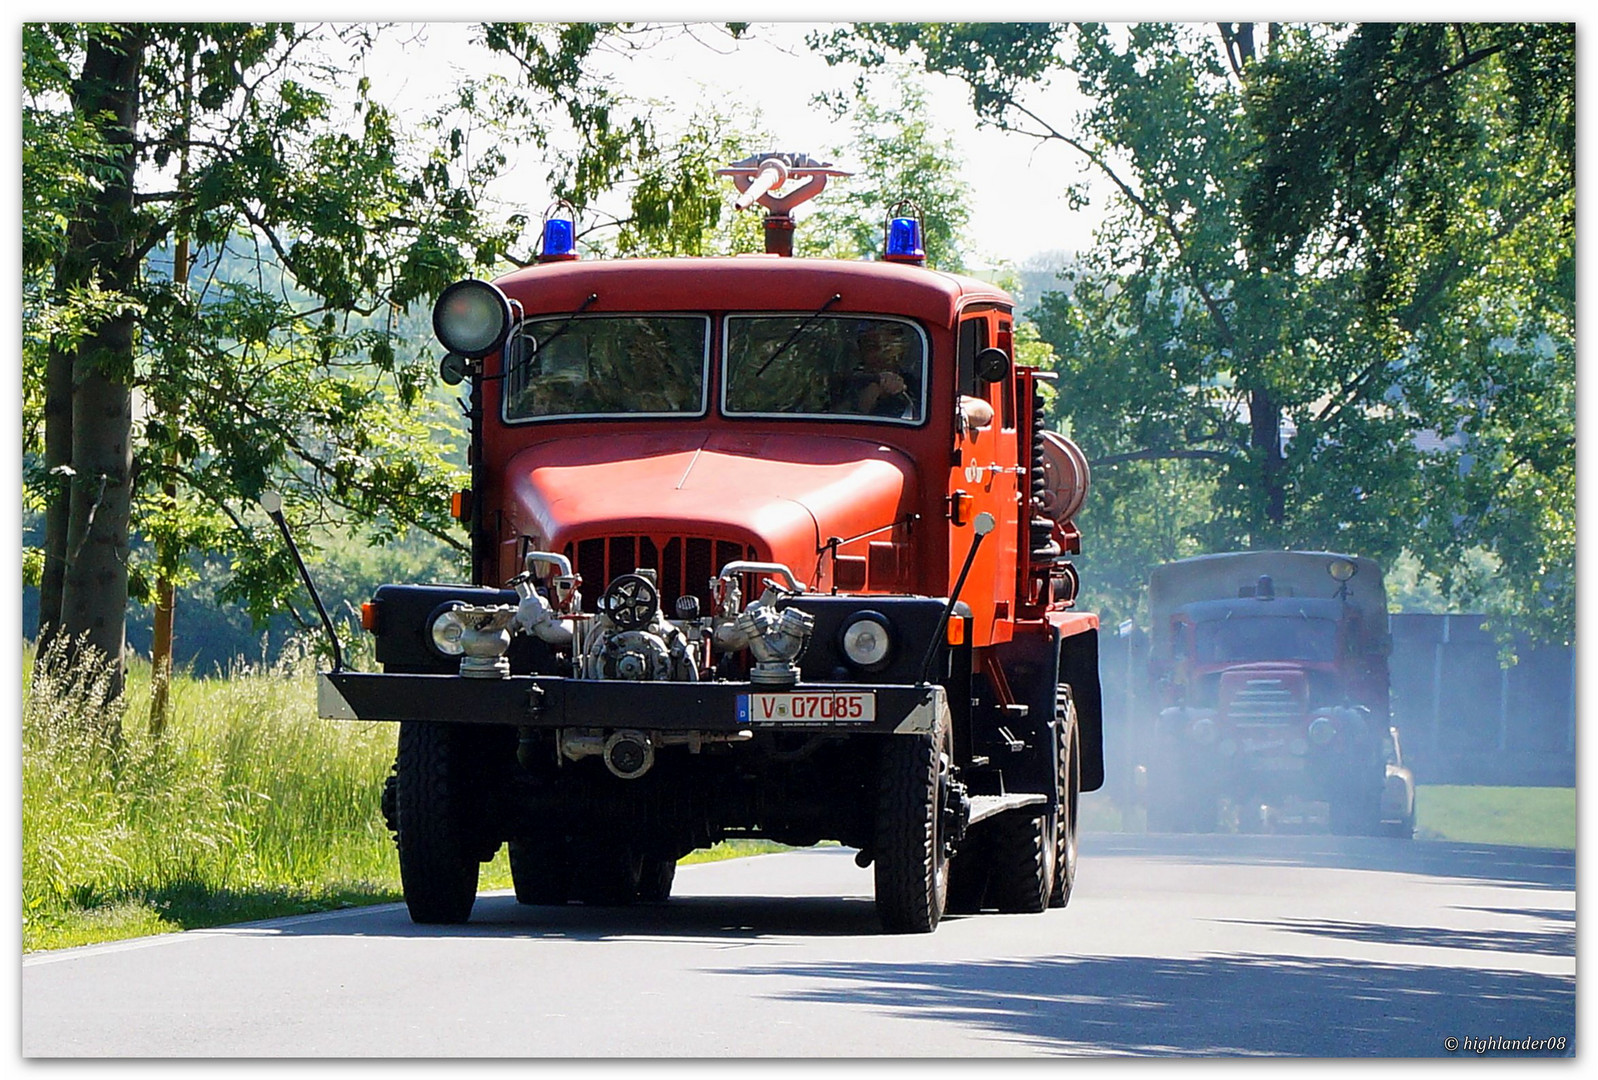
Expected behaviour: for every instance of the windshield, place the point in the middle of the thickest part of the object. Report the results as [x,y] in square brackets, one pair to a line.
[1294,637]
[825,365]
[607,365]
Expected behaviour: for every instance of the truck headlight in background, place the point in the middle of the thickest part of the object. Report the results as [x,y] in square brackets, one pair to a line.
[1322,730]
[472,318]
[867,641]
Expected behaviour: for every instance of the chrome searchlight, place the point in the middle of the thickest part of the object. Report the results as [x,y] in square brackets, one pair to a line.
[472,318]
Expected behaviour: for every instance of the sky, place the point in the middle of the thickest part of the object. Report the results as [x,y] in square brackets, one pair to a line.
[1015,209]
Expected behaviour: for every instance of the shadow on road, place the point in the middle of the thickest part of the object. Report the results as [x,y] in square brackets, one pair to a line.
[1542,943]
[1546,868]
[701,918]
[1214,1006]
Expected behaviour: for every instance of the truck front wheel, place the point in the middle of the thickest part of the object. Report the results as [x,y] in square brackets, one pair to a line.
[436,819]
[1355,809]
[911,851]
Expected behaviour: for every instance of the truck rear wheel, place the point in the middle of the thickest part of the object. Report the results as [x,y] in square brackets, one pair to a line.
[609,875]
[1023,862]
[968,873]
[654,883]
[541,870]
[911,854]
[1034,858]
[1068,790]
[436,817]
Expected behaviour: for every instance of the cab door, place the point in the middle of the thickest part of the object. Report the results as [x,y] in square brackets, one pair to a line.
[983,477]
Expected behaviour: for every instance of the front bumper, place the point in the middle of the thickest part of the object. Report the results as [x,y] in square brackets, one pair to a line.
[550,701]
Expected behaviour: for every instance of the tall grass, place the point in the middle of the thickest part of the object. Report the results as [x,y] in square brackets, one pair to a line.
[247,806]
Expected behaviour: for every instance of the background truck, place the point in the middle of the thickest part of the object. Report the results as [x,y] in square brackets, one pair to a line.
[1271,683]
[761,546]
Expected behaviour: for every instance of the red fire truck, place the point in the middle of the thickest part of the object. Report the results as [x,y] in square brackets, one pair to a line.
[761,546]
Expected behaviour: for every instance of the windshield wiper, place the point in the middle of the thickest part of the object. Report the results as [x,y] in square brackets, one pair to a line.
[563,327]
[801,328]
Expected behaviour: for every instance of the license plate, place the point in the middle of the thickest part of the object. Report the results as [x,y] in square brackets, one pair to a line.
[807,709]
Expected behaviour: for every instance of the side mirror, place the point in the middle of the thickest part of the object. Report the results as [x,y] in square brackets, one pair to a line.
[992,365]
[454,368]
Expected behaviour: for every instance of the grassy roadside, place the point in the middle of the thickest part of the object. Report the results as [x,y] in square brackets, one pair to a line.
[1522,816]
[1527,816]
[247,808]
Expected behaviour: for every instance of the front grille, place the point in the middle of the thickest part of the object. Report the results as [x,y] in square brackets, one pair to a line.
[683,565]
[1263,699]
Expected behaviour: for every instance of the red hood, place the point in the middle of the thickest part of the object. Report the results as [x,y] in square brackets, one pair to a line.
[785,495]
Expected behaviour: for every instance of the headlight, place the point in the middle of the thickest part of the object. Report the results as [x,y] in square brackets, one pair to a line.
[1322,730]
[445,631]
[867,641]
[1203,731]
[471,318]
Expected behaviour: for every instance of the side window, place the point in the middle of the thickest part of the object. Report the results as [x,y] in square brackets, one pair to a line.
[1007,388]
[973,339]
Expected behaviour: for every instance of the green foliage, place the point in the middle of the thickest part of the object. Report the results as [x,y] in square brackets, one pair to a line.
[898,157]
[1335,284]
[244,808]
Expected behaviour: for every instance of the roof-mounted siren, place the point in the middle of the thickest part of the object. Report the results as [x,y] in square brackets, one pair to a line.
[760,178]
[558,242]
[901,235]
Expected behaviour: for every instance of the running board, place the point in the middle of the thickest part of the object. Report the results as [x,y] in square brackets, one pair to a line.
[985,806]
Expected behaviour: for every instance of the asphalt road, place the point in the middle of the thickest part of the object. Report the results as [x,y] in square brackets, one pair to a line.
[1172,946]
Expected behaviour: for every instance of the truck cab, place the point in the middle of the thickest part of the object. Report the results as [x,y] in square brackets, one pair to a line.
[1270,672]
[761,546]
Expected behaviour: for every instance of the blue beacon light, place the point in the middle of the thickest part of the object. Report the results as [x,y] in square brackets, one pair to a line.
[904,241]
[560,240]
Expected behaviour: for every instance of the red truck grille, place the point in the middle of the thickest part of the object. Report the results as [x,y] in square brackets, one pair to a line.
[684,565]
[1259,698]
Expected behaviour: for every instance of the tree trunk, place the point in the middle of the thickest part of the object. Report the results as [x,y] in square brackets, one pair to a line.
[165,592]
[1265,442]
[94,587]
[58,463]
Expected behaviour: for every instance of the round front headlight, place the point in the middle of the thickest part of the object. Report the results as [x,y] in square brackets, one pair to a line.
[867,641]
[446,631]
[471,318]
[1322,730]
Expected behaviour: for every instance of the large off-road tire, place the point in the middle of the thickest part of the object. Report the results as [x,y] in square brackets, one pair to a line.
[437,803]
[1355,809]
[911,854]
[968,873]
[655,880]
[1034,858]
[1023,862]
[541,871]
[1068,780]
[609,874]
